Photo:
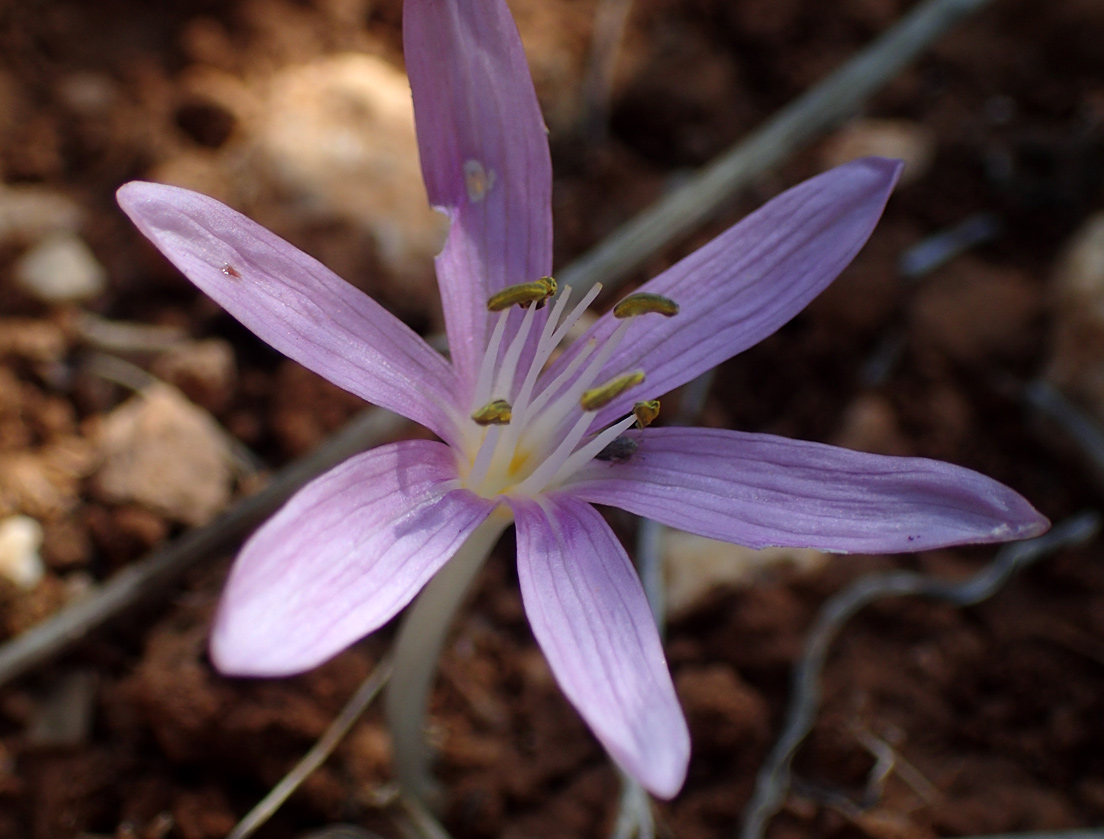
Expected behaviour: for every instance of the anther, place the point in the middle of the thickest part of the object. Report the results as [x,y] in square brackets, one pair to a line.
[646,412]
[599,397]
[523,294]
[643,303]
[495,412]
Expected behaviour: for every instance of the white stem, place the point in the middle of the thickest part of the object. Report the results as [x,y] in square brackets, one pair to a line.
[416,649]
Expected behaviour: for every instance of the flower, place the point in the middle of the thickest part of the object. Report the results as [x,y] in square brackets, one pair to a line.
[526,436]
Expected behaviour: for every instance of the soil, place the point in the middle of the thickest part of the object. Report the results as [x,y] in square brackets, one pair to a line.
[994,714]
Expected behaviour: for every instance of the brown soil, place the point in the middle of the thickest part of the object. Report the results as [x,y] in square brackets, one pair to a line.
[995,712]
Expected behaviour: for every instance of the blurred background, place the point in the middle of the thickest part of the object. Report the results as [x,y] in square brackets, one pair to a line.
[132,410]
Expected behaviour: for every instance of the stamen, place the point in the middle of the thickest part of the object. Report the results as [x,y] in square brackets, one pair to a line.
[495,412]
[490,358]
[584,454]
[646,412]
[643,303]
[523,294]
[599,397]
[505,380]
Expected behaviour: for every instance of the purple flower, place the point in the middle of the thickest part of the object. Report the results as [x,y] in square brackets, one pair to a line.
[354,547]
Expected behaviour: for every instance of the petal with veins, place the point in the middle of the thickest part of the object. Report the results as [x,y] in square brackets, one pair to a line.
[749,281]
[759,490]
[342,557]
[485,159]
[591,619]
[294,303]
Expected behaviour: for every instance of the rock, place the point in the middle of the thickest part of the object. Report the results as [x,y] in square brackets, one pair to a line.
[694,566]
[338,133]
[897,138]
[1077,301]
[870,425]
[205,371]
[45,483]
[162,451]
[27,213]
[20,543]
[61,268]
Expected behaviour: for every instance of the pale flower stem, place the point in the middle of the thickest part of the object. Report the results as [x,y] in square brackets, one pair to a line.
[416,650]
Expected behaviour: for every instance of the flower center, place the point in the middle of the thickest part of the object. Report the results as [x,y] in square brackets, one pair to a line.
[528,432]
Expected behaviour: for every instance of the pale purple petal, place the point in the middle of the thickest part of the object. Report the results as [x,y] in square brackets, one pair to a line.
[294,303]
[759,490]
[485,159]
[590,617]
[341,558]
[749,281]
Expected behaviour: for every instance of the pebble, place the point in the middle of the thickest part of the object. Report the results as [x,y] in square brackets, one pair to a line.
[20,543]
[205,371]
[897,138]
[338,133]
[61,268]
[694,566]
[1077,301]
[164,452]
[27,213]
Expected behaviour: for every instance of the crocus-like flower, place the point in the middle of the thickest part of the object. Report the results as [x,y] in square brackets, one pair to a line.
[539,439]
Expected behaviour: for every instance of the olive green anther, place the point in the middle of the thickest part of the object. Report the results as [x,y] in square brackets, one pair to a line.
[599,397]
[646,412]
[643,303]
[495,412]
[523,294]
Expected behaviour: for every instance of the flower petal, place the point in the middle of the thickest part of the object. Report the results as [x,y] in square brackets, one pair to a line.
[485,159]
[759,490]
[590,617]
[748,282]
[341,558]
[294,303]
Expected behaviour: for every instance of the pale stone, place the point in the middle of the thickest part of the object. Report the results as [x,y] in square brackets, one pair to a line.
[1077,299]
[28,213]
[20,543]
[161,451]
[693,566]
[204,370]
[61,268]
[338,133]
[896,138]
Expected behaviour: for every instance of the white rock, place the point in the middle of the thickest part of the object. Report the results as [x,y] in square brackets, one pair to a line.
[61,269]
[339,133]
[20,543]
[162,451]
[693,566]
[28,212]
[898,138]
[1077,299]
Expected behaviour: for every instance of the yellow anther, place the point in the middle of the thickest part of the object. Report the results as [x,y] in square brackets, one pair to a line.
[495,412]
[523,294]
[599,397]
[646,412]
[643,303]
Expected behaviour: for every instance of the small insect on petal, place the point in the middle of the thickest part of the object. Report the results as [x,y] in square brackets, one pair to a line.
[599,397]
[523,294]
[646,412]
[644,303]
[230,271]
[619,450]
[495,412]
[478,180]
